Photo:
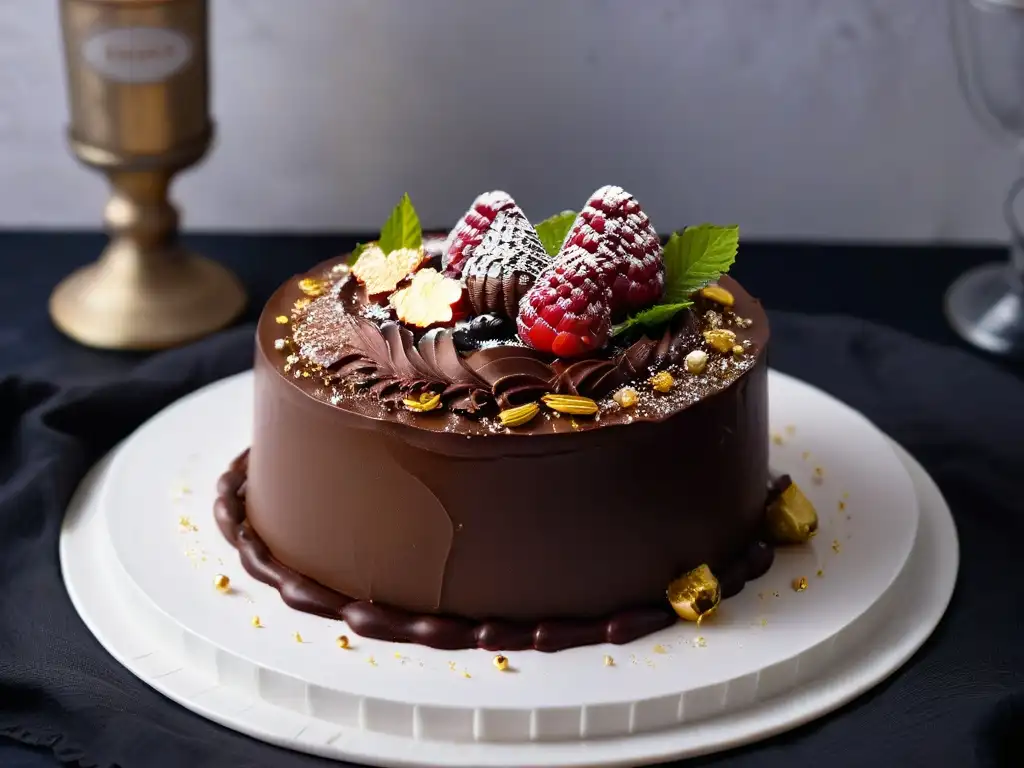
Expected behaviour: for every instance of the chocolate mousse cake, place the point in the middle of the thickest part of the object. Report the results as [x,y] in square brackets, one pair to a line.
[515,437]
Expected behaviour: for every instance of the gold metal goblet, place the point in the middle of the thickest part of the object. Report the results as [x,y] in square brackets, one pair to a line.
[138,85]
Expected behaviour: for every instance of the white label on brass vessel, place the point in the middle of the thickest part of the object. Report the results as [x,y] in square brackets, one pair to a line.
[137,54]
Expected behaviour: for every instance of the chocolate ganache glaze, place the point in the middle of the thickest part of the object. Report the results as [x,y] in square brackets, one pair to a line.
[448,529]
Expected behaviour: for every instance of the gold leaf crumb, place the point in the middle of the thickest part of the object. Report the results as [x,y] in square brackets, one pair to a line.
[451,665]
[371,661]
[835,545]
[819,474]
[790,429]
[466,674]
[281,319]
[777,438]
[842,505]
[701,642]
[256,622]
[820,573]
[799,583]
[298,638]
[805,455]
[343,642]
[609,661]
[659,648]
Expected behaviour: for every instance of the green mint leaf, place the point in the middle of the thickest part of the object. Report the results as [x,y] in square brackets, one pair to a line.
[652,316]
[698,256]
[402,229]
[357,252]
[552,231]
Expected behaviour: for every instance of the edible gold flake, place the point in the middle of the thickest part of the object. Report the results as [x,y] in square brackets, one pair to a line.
[820,573]
[764,622]
[342,642]
[371,661]
[819,474]
[799,583]
[298,638]
[451,665]
[805,455]
[662,382]
[720,339]
[466,674]
[737,349]
[256,622]
[659,648]
[790,429]
[221,583]
[609,661]
[500,662]
[626,397]
[281,320]
[701,642]
[696,594]
[777,438]
[842,505]
[186,524]
[791,517]
[311,286]
[835,546]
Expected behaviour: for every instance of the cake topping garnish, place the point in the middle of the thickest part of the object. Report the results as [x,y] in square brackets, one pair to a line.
[608,661]
[427,401]
[311,286]
[343,642]
[567,311]
[573,404]
[696,361]
[693,258]
[610,264]
[469,230]
[695,594]
[482,329]
[717,294]
[504,266]
[281,320]
[790,515]
[431,299]
[516,417]
[381,272]
[501,663]
[662,382]
[256,622]
[799,583]
[626,397]
[221,583]
[720,339]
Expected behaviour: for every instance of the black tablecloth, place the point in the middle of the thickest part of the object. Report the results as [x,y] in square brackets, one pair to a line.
[958,702]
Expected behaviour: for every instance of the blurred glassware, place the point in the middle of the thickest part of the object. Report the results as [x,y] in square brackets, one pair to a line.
[986,304]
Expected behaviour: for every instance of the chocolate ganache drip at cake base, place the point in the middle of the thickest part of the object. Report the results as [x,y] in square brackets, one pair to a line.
[537,439]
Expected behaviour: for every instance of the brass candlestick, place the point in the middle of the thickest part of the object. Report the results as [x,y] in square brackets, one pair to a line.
[138,85]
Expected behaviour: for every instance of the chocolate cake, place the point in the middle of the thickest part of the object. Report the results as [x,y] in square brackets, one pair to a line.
[518,437]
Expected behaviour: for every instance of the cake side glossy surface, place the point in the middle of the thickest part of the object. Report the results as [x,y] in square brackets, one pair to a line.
[569,520]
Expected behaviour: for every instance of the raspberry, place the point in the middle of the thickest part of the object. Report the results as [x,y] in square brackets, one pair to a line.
[566,312]
[469,230]
[614,229]
[505,264]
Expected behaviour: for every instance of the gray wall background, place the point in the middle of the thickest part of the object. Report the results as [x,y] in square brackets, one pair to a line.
[834,119]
